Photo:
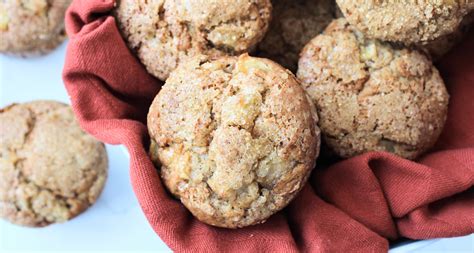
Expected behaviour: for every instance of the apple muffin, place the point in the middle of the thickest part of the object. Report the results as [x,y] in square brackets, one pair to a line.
[31,27]
[50,170]
[236,138]
[411,22]
[164,33]
[371,95]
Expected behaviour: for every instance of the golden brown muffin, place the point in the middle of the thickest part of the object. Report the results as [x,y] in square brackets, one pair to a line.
[406,22]
[31,27]
[164,33]
[50,170]
[294,23]
[236,137]
[372,96]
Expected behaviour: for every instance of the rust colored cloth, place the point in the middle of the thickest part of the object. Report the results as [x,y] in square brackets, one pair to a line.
[356,205]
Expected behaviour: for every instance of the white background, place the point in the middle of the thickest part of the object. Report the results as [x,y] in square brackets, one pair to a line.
[115,222]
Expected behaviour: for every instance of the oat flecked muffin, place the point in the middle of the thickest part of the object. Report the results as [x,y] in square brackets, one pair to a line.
[164,33]
[406,22]
[50,170]
[236,137]
[371,96]
[294,23]
[31,27]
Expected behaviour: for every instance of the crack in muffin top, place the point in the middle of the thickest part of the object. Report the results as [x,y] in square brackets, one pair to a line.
[165,32]
[50,169]
[371,95]
[236,138]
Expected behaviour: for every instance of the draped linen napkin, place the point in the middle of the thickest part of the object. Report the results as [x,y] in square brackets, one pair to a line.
[355,205]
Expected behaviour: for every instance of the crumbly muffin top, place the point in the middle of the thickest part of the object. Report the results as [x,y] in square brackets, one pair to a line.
[372,96]
[165,32]
[50,170]
[236,138]
[294,23]
[31,27]
[400,21]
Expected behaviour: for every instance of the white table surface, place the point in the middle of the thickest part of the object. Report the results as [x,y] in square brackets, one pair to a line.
[115,222]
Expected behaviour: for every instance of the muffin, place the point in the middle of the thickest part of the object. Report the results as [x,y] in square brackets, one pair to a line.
[396,21]
[167,32]
[371,95]
[50,170]
[294,23]
[442,45]
[236,138]
[31,27]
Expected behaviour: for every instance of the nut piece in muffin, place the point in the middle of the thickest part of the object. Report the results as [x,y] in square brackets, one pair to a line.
[163,33]
[50,170]
[406,22]
[294,23]
[236,138]
[372,96]
[31,27]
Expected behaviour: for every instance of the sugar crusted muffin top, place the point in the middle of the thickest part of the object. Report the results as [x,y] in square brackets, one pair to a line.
[50,170]
[236,138]
[372,96]
[165,32]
